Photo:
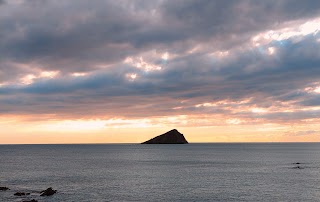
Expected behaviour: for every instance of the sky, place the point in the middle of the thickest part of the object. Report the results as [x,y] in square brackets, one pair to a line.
[80,71]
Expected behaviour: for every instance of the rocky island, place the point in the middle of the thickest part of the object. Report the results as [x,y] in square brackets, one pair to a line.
[170,137]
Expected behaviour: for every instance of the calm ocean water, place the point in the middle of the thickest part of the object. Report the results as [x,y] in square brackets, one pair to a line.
[194,172]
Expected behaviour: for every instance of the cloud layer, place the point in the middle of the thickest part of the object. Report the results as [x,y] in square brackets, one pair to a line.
[214,62]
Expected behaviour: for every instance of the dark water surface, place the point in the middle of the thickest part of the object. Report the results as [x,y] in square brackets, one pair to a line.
[133,172]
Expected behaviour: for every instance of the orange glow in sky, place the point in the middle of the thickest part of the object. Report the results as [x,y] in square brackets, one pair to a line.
[124,76]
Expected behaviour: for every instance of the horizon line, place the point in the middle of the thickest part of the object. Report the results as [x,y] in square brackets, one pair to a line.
[138,143]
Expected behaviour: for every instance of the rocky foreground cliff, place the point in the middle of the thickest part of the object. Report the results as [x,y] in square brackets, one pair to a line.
[170,137]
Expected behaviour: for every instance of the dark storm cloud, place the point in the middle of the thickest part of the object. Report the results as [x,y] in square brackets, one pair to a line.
[96,36]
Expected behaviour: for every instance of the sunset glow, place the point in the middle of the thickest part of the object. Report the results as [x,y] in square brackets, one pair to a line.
[101,77]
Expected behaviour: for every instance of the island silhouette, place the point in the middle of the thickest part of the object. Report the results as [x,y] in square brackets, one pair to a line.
[170,137]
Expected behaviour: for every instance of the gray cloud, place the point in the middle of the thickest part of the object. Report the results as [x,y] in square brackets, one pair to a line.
[157,93]
[302,133]
[95,37]
[77,36]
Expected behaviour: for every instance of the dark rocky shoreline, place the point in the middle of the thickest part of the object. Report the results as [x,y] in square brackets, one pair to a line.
[47,192]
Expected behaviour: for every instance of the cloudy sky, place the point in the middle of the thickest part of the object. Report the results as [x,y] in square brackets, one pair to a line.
[79,71]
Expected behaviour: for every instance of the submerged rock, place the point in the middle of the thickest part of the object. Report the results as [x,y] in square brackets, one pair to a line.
[21,194]
[33,200]
[170,137]
[4,188]
[48,192]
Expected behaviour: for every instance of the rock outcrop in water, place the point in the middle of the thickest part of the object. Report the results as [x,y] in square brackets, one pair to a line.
[48,192]
[298,166]
[33,200]
[171,137]
[4,188]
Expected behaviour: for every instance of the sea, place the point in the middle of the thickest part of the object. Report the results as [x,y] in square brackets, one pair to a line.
[134,172]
